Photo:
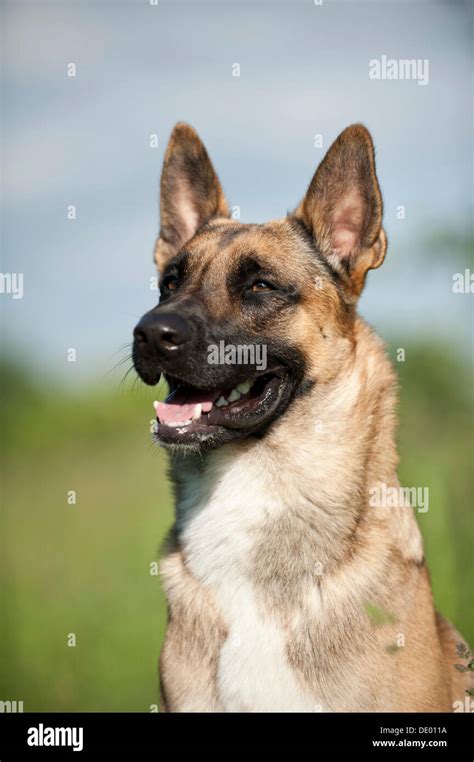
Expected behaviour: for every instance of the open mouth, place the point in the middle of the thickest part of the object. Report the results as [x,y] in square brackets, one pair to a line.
[191,416]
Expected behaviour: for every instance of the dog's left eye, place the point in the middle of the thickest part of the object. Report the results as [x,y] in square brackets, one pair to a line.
[260,286]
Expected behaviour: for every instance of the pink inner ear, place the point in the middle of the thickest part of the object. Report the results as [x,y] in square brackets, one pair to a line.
[347,223]
[185,211]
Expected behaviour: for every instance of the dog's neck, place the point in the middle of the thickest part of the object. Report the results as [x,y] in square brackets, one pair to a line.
[317,464]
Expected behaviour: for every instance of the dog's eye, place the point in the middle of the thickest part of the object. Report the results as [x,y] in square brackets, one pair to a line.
[261,286]
[170,282]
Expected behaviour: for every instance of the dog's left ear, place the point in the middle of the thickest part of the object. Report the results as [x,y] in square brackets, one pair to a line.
[190,192]
[343,208]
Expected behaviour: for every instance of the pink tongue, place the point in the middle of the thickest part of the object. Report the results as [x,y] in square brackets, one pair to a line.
[181,408]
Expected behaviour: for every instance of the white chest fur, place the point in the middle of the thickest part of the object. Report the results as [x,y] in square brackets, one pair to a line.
[219,518]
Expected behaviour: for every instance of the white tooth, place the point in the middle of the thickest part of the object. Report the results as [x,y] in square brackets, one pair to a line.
[221,402]
[155,404]
[244,387]
[197,412]
[234,395]
[175,424]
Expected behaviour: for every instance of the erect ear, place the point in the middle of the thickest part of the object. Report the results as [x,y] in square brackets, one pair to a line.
[190,192]
[343,208]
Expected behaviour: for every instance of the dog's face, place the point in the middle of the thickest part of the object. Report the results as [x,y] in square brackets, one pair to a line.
[253,316]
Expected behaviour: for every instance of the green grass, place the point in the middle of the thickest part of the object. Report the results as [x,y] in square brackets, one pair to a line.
[436,449]
[85,568]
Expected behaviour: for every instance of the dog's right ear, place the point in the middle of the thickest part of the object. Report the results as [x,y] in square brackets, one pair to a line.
[190,193]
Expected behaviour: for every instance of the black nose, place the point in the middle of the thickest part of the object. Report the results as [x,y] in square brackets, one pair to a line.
[162,333]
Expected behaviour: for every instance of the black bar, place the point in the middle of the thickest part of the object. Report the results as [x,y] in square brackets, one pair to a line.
[441,733]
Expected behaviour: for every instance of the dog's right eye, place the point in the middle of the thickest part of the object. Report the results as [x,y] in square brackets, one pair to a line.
[170,282]
[259,286]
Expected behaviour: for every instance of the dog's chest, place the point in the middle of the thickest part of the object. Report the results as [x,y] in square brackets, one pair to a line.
[218,538]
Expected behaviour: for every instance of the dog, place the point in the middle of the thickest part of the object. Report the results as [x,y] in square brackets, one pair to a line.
[287,589]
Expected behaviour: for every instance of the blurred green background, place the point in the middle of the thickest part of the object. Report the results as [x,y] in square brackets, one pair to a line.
[85,568]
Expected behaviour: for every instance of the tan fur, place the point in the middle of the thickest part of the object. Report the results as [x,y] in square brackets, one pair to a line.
[319,560]
[368,556]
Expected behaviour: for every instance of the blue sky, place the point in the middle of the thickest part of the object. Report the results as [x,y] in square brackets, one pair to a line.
[141,68]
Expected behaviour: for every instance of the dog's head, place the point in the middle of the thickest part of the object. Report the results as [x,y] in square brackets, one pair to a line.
[252,317]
